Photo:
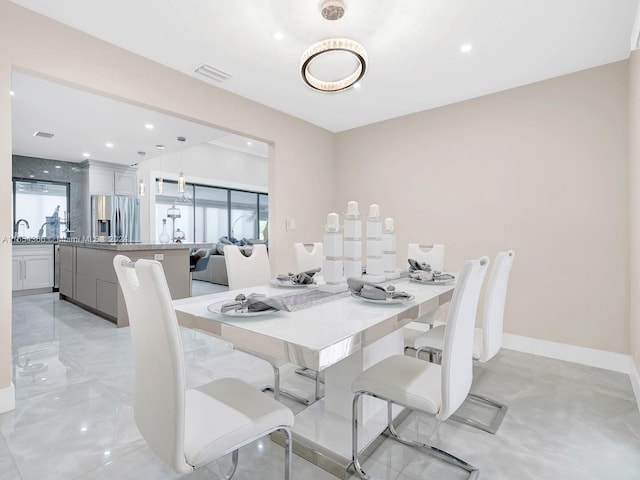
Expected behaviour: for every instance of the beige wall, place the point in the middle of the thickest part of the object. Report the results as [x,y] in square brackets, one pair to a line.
[634,175]
[37,45]
[542,169]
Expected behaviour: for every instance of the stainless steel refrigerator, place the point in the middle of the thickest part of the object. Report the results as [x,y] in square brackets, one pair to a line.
[115,219]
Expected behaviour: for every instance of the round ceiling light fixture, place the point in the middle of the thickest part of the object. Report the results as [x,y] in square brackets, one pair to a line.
[332,9]
[332,46]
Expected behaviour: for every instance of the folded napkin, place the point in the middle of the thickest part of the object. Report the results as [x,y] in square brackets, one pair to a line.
[432,276]
[415,265]
[302,278]
[373,291]
[255,302]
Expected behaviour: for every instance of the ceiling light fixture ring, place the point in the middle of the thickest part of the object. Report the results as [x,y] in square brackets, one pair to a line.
[333,45]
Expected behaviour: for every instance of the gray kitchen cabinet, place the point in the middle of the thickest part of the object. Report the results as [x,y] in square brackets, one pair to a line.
[109,179]
[88,279]
[67,261]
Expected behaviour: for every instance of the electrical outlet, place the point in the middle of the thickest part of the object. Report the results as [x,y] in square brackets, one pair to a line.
[158,256]
[291,223]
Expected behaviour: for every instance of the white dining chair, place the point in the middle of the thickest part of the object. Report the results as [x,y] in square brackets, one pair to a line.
[187,428]
[423,386]
[243,271]
[308,256]
[253,271]
[430,254]
[487,340]
[434,256]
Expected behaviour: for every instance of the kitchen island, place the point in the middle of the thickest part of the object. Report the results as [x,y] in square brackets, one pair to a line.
[87,277]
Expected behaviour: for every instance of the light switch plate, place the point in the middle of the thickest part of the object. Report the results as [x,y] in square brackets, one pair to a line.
[291,223]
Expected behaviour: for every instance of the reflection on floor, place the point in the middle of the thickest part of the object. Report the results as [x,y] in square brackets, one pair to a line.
[73,418]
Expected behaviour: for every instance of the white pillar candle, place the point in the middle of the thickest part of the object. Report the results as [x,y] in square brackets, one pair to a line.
[352,208]
[388,224]
[374,210]
[333,221]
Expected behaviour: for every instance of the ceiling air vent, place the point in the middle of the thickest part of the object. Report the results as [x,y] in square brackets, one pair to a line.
[42,134]
[212,73]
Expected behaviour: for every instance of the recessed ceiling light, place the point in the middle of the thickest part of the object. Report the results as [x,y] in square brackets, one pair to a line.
[58,166]
[278,35]
[86,155]
[466,48]
[12,93]
[148,126]
[45,171]
[160,147]
[249,144]
[108,145]
[31,176]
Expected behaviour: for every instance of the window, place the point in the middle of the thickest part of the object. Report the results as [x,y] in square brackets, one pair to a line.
[212,213]
[244,206]
[40,209]
[208,213]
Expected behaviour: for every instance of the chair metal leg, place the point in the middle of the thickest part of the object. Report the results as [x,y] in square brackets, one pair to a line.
[234,465]
[354,438]
[502,408]
[313,375]
[288,449]
[435,355]
[430,449]
[317,384]
[277,391]
[495,424]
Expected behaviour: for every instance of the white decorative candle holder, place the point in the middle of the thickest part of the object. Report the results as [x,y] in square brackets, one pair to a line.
[332,265]
[389,253]
[375,263]
[352,242]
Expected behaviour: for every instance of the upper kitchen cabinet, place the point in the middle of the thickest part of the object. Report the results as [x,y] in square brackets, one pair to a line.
[102,178]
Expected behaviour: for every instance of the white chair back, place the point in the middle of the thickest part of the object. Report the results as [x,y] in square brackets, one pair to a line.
[493,309]
[245,272]
[159,383]
[307,259]
[457,351]
[431,254]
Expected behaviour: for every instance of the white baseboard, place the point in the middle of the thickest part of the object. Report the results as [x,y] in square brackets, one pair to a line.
[616,362]
[7,398]
[635,380]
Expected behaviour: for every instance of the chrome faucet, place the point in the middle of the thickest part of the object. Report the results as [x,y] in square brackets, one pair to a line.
[17,226]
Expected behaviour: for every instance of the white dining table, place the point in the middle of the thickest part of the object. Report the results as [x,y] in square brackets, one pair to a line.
[339,336]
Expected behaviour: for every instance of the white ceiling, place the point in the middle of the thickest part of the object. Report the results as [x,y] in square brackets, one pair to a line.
[83,122]
[415,62]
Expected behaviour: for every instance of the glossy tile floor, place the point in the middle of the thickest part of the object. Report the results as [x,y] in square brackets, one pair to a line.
[74,419]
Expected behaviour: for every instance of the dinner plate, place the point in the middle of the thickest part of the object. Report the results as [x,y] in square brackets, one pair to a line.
[289,284]
[432,282]
[386,301]
[216,308]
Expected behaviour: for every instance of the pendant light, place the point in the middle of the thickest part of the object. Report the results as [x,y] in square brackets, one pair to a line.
[159,182]
[181,183]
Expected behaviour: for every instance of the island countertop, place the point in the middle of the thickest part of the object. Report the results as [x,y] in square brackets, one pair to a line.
[135,246]
[88,279]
